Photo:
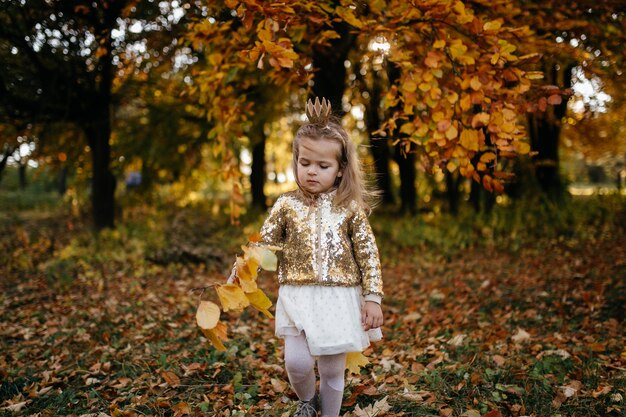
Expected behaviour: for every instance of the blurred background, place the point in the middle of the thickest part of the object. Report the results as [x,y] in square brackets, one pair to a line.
[111,104]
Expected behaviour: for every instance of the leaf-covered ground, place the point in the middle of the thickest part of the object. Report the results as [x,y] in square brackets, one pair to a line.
[107,325]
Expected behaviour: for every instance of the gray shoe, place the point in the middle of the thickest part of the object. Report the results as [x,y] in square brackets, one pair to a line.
[307,408]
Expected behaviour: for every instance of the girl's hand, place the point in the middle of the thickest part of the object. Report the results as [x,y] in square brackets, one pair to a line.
[371,315]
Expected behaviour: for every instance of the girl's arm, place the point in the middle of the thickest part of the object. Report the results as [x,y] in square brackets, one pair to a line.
[366,255]
[273,229]
[272,232]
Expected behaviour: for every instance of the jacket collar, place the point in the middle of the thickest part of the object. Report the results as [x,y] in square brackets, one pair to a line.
[328,195]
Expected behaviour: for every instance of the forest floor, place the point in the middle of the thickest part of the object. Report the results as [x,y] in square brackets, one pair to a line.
[105,326]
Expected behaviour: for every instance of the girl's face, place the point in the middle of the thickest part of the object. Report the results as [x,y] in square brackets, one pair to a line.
[318,165]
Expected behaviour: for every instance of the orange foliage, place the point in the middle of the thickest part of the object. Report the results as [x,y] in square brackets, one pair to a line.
[467,73]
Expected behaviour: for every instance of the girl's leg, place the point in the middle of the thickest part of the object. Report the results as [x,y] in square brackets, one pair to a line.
[300,366]
[332,369]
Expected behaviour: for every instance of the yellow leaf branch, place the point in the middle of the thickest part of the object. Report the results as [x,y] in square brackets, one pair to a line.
[239,294]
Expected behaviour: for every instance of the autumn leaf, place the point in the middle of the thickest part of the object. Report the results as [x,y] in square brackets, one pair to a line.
[487,157]
[264,257]
[207,315]
[443,125]
[493,25]
[457,48]
[254,238]
[171,378]
[554,99]
[464,16]
[354,362]
[238,295]
[534,75]
[379,408]
[475,83]
[451,132]
[278,385]
[521,336]
[347,14]
[260,301]
[247,268]
[181,409]
[601,390]
[432,59]
[521,148]
[480,119]
[216,335]
[407,128]
[571,389]
[469,139]
[248,285]
[409,86]
[493,413]
[16,407]
[465,102]
[232,297]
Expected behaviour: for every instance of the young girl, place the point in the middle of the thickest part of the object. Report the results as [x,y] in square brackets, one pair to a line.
[329,270]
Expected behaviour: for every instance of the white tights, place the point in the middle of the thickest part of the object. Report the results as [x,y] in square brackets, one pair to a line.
[300,370]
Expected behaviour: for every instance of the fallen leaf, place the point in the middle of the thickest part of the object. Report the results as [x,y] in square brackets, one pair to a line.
[278,385]
[499,360]
[457,340]
[354,362]
[171,378]
[378,408]
[521,336]
[571,389]
[17,407]
[181,409]
[601,390]
[446,412]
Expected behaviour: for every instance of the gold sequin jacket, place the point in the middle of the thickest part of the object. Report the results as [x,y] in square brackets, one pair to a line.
[323,244]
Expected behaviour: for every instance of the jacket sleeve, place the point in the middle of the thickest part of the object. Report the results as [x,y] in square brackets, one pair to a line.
[366,255]
[273,229]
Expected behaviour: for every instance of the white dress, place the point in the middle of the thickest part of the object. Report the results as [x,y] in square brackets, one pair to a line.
[330,317]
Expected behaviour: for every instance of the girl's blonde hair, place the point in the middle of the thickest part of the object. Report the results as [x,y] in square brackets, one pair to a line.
[351,186]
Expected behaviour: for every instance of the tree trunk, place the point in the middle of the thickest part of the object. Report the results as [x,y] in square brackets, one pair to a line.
[405,161]
[545,141]
[22,175]
[62,181]
[98,135]
[103,181]
[481,199]
[379,146]
[545,130]
[8,151]
[453,181]
[257,175]
[408,175]
[330,79]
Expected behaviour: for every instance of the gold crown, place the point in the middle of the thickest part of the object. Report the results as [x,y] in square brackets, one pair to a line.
[318,113]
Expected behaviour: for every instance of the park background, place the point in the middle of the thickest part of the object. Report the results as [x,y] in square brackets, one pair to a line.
[142,142]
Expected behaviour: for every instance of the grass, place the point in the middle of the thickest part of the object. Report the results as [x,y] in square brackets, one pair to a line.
[511,227]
